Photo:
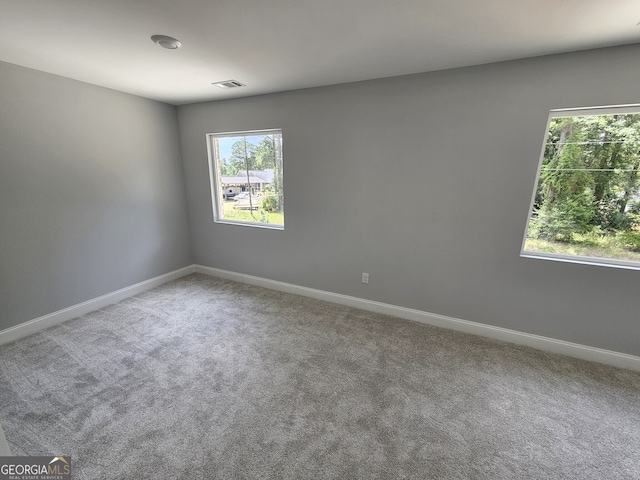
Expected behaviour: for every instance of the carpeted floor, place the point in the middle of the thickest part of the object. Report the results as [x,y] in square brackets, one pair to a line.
[206,378]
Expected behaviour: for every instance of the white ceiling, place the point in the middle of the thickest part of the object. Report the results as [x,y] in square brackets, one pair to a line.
[276,45]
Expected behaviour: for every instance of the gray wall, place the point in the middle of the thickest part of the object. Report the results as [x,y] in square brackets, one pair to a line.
[424,181]
[91,193]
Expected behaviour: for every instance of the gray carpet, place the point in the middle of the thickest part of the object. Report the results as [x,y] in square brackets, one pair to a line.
[206,378]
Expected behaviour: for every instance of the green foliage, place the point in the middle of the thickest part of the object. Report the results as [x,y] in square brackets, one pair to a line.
[230,213]
[265,153]
[243,155]
[594,238]
[269,153]
[256,152]
[630,241]
[612,219]
[591,245]
[561,220]
[588,186]
[634,207]
[253,152]
[270,203]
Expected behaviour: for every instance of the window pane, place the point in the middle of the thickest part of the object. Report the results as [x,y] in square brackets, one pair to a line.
[247,176]
[587,201]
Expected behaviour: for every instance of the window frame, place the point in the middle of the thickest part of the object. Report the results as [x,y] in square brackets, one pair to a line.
[560,257]
[214,178]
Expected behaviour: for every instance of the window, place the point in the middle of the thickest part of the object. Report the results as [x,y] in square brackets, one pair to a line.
[247,178]
[586,203]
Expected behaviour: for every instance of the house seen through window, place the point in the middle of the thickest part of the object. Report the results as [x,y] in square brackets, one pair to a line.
[586,203]
[247,178]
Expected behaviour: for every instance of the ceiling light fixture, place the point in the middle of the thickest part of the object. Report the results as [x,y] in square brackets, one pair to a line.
[229,84]
[166,42]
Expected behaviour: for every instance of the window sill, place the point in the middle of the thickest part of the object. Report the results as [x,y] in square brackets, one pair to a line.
[598,262]
[268,226]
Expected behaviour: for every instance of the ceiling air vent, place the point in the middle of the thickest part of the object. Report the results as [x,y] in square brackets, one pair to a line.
[229,84]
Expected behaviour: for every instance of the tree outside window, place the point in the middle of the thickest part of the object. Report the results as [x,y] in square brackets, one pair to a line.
[247,178]
[587,203]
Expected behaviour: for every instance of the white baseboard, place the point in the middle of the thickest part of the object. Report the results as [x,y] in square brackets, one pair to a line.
[608,357]
[37,324]
[576,350]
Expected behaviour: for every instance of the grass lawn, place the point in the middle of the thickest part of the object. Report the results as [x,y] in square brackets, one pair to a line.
[617,252]
[230,213]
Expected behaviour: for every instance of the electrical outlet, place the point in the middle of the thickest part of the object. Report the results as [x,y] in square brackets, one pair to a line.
[365,278]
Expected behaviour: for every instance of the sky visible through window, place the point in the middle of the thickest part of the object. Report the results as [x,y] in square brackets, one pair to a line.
[226,143]
[248,186]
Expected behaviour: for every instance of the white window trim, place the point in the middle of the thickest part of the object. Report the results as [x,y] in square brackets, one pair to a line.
[216,193]
[559,257]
